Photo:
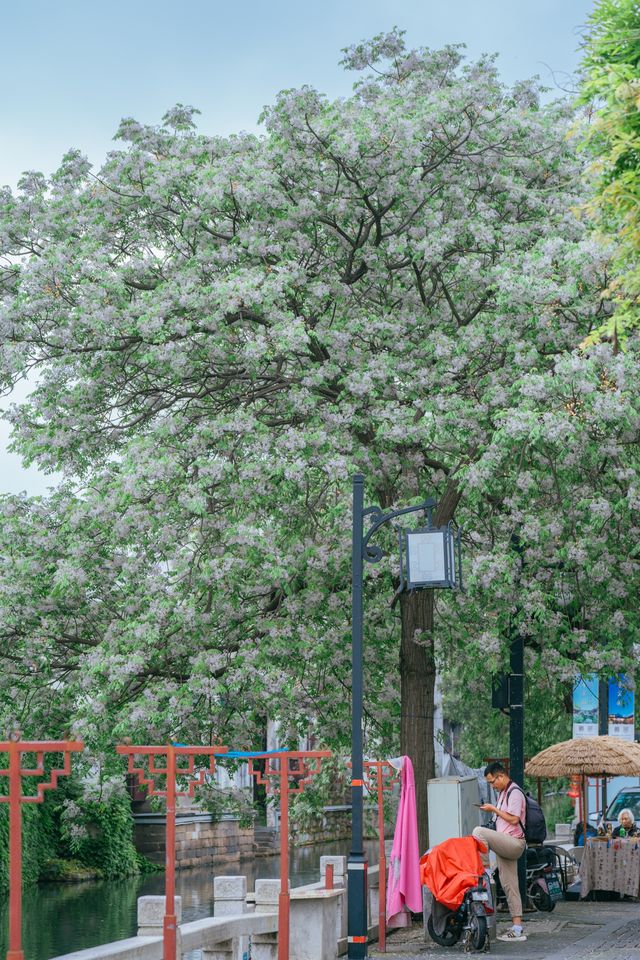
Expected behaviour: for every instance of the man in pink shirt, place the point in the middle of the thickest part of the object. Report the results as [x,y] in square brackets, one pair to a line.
[507,840]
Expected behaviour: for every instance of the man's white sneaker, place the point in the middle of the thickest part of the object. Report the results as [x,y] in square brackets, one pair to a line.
[511,935]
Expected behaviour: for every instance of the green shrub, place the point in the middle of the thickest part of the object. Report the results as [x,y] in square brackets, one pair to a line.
[38,843]
[72,833]
[99,831]
[147,866]
[64,870]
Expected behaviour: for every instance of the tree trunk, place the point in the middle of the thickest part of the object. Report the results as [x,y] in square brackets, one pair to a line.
[418,678]
[417,688]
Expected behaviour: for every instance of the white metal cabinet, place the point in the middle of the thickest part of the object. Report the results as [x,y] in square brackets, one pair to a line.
[451,810]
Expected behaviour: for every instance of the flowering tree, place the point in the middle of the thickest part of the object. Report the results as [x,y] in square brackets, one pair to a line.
[568,463]
[223,330]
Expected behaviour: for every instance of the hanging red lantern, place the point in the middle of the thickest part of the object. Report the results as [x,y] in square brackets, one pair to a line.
[574,789]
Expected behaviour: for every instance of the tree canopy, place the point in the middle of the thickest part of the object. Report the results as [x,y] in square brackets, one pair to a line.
[224,329]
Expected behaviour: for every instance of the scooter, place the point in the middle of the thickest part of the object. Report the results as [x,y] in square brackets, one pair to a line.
[543,883]
[446,926]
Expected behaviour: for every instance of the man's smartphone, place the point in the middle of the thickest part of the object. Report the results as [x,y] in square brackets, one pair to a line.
[478,804]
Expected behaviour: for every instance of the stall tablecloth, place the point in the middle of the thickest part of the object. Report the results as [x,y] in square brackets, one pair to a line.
[611,865]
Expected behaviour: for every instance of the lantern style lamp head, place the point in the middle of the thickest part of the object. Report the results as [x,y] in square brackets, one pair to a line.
[431,557]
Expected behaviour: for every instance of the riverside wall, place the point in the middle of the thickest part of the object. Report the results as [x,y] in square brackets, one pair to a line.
[199,839]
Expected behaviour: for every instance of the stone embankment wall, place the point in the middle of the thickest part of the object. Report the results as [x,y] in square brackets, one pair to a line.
[333,826]
[199,839]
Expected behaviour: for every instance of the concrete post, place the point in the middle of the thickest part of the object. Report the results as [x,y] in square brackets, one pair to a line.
[265,946]
[339,881]
[267,896]
[339,865]
[151,916]
[314,920]
[230,900]
[230,896]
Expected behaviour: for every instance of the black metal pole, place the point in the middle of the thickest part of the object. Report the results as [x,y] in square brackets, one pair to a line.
[516,735]
[603,729]
[357,863]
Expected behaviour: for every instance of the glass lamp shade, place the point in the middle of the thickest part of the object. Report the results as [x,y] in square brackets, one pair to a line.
[430,558]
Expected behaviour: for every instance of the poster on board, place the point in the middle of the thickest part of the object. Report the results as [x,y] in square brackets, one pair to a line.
[585,706]
[621,709]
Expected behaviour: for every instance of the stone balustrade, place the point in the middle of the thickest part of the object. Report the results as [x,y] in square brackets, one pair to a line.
[318,922]
[151,915]
[212,935]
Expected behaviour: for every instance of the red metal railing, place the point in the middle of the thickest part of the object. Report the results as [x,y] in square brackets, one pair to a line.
[279,769]
[15,772]
[328,877]
[170,772]
[283,772]
[381,776]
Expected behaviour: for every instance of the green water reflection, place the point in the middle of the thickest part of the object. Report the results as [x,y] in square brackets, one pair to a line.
[58,918]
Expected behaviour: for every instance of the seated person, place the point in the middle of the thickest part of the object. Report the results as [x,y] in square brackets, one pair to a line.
[578,839]
[626,824]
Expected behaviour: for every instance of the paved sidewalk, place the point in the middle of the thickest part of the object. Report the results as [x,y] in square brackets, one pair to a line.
[574,931]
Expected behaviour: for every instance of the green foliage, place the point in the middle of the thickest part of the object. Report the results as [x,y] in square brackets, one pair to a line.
[484,731]
[557,809]
[147,866]
[326,788]
[99,831]
[219,801]
[220,339]
[38,843]
[72,835]
[60,871]
[611,86]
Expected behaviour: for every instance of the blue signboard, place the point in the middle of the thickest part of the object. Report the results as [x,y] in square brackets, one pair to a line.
[585,706]
[621,709]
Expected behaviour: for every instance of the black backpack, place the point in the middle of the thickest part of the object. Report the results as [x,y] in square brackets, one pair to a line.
[535,825]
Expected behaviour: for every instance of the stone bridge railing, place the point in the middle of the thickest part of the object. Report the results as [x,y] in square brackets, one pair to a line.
[246,925]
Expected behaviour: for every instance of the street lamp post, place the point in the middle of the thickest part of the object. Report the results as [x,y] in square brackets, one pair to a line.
[429,557]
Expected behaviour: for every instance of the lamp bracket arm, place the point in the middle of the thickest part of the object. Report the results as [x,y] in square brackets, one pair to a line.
[374,554]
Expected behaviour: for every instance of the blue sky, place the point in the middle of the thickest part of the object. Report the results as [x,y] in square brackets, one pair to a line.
[70,70]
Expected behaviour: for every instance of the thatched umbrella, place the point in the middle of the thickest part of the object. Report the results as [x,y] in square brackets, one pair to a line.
[587,756]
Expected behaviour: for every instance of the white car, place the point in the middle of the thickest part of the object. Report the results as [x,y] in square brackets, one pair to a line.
[628,797]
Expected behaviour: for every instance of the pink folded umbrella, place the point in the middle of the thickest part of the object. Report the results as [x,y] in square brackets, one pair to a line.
[404,893]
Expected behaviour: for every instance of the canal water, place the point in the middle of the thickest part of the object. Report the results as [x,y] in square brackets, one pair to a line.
[61,917]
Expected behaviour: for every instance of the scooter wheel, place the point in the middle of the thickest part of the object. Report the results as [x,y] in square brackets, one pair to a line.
[478,926]
[449,936]
[541,898]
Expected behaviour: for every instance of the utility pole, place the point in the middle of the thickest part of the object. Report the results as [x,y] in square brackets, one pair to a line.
[603,728]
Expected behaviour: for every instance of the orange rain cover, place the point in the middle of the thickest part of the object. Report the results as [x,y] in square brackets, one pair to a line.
[451,867]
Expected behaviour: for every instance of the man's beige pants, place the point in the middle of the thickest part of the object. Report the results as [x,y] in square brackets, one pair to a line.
[508,850]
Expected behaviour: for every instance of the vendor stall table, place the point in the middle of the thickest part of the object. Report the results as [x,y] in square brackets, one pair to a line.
[611,865]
